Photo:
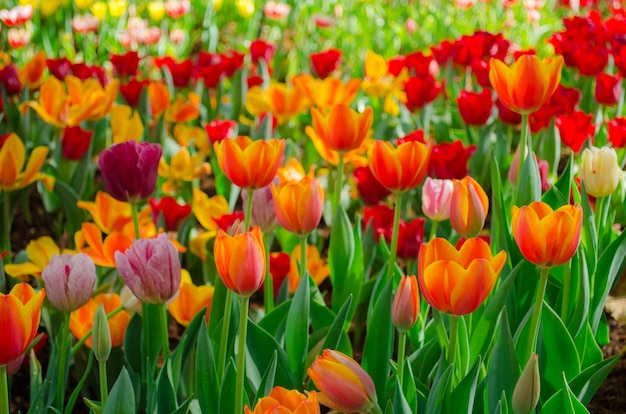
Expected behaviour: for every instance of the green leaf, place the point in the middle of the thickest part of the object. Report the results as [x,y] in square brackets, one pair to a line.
[207,382]
[564,402]
[500,235]
[336,329]
[464,394]
[529,183]
[267,382]
[261,347]
[122,397]
[588,235]
[580,305]
[409,387]
[75,216]
[559,193]
[227,395]
[440,392]
[74,396]
[274,322]
[340,255]
[588,349]
[425,359]
[165,400]
[297,329]
[589,380]
[400,404]
[504,369]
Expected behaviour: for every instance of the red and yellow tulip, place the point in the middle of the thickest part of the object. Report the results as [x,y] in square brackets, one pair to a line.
[469,206]
[299,204]
[342,128]
[284,401]
[399,168]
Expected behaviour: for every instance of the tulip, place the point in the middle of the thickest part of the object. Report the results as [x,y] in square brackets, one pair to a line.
[249,164]
[218,130]
[20,311]
[263,211]
[299,205]
[39,252]
[475,108]
[328,92]
[129,170]
[468,207]
[9,80]
[183,110]
[281,400]
[402,168]
[81,320]
[370,189]
[101,336]
[406,304]
[126,124]
[410,238]
[75,142]
[528,388]
[107,213]
[132,90]
[575,128]
[159,97]
[436,197]
[344,386]
[31,74]
[617,131]
[317,268]
[600,171]
[125,65]
[342,129]
[89,240]
[325,62]
[281,100]
[69,280]
[12,159]
[608,89]
[151,269]
[420,91]
[527,84]
[191,299]
[53,104]
[545,237]
[173,213]
[240,261]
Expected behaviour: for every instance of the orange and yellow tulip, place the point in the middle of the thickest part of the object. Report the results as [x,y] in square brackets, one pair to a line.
[53,106]
[382,84]
[469,206]
[183,167]
[159,97]
[31,74]
[283,401]
[401,168]
[109,214]
[81,320]
[545,237]
[342,129]
[299,205]
[88,99]
[39,253]
[281,100]
[185,135]
[191,299]
[317,268]
[240,261]
[20,311]
[89,241]
[12,159]
[326,93]
[249,164]
[528,83]
[458,281]
[126,124]
[184,110]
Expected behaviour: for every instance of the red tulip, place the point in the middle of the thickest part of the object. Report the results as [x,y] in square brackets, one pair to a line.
[449,160]
[219,129]
[506,115]
[608,89]
[59,68]
[420,91]
[617,132]
[325,62]
[75,142]
[126,64]
[181,71]
[280,264]
[475,108]
[131,91]
[173,213]
[260,49]
[575,128]
[369,188]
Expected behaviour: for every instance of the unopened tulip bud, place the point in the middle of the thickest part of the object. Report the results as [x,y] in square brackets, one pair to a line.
[129,300]
[101,336]
[436,196]
[406,304]
[528,388]
[69,280]
[600,171]
[263,213]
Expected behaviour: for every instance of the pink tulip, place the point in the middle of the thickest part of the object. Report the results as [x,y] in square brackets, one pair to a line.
[69,280]
[263,213]
[151,269]
[436,196]
[406,304]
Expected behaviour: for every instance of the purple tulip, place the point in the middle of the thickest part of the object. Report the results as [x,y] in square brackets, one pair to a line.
[151,269]
[69,280]
[129,170]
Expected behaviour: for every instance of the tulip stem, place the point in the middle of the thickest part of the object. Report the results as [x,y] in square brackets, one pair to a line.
[433,230]
[523,147]
[228,305]
[241,355]
[62,367]
[394,236]
[6,231]
[4,391]
[303,264]
[165,338]
[534,322]
[135,214]
[401,353]
[268,287]
[567,282]
[376,409]
[104,387]
[80,343]
[338,185]
[248,216]
[600,219]
[454,331]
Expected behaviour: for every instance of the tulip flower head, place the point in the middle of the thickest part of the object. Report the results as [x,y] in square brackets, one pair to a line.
[191,299]
[151,269]
[342,129]
[400,168]
[81,320]
[458,281]
[436,197]
[528,388]
[344,386]
[12,160]
[298,205]
[263,212]
[406,304]
[469,206]
[547,237]
[600,171]
[281,400]
[69,280]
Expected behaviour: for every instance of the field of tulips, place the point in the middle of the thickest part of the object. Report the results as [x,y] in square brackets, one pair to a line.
[245,206]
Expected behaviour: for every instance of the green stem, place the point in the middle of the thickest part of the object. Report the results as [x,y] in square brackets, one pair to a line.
[599,222]
[524,146]
[268,287]
[82,340]
[454,331]
[104,387]
[225,328]
[6,231]
[4,391]
[394,236]
[133,209]
[567,282]
[303,264]
[534,322]
[433,230]
[241,355]
[248,216]
[165,338]
[62,368]
[401,353]
[338,185]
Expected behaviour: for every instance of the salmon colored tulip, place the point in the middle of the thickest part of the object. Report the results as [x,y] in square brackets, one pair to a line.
[20,311]
[31,74]
[318,269]
[13,175]
[344,386]
[126,124]
[329,92]
[469,206]
[458,281]
[528,83]
[159,97]
[53,106]
[249,164]
[191,299]
[81,320]
[399,168]
[240,261]
[89,241]
[342,129]
[283,401]
[39,253]
[281,100]
[406,304]
[545,237]
[107,213]
[299,205]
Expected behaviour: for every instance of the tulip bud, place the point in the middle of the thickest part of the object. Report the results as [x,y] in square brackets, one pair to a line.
[69,280]
[436,196]
[406,304]
[129,300]
[101,336]
[468,207]
[600,171]
[263,213]
[528,387]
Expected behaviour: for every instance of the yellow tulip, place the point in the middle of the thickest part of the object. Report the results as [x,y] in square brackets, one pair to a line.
[191,300]
[49,7]
[88,99]
[156,10]
[83,4]
[109,214]
[245,8]
[185,134]
[99,9]
[183,167]
[117,8]
[53,104]
[126,125]
[12,159]
[39,253]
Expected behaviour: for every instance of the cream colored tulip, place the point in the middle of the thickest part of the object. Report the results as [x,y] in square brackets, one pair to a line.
[600,171]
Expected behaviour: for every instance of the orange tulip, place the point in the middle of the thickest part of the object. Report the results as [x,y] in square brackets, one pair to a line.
[281,100]
[342,129]
[191,299]
[240,261]
[545,237]
[31,74]
[299,205]
[458,281]
[182,110]
[326,93]
[20,311]
[54,105]
[402,168]
[317,268]
[81,320]
[283,401]
[469,206]
[249,164]
[89,241]
[109,214]
[88,99]
[159,97]
[528,83]
[406,304]
[12,159]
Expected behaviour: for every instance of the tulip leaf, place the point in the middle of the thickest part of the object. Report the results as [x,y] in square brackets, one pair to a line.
[500,235]
[588,235]
[335,332]
[424,360]
[274,322]
[74,396]
[132,345]
[68,197]
[122,397]
[409,387]
[559,193]
[563,402]
[588,349]
[227,394]
[579,299]
[165,400]
[297,329]
[207,382]
[529,183]
[341,252]
[464,394]
[378,347]
[267,381]
[400,404]
[551,147]
[504,369]
[585,384]
[438,398]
